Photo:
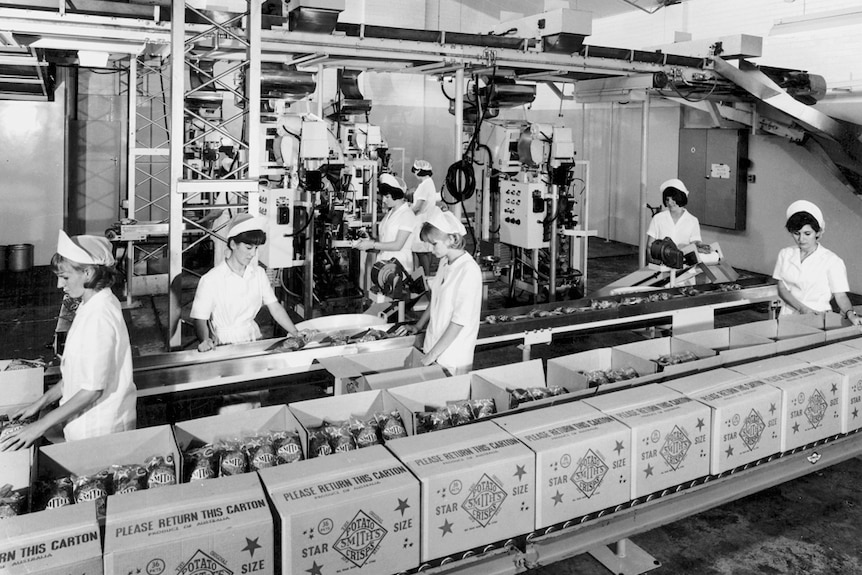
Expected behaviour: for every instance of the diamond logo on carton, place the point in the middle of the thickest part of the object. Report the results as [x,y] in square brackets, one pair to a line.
[589,473]
[360,538]
[203,564]
[752,429]
[484,500]
[815,411]
[675,448]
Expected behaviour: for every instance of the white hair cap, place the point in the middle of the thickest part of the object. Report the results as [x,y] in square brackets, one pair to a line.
[674,183]
[245,223]
[806,206]
[391,180]
[88,250]
[446,222]
[422,165]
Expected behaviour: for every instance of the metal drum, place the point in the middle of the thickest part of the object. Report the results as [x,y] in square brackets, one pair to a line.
[20,257]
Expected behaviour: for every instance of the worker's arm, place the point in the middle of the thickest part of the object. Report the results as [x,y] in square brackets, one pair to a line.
[53,394]
[202,329]
[393,246]
[417,206]
[847,308]
[423,321]
[27,435]
[279,314]
[790,299]
[448,337]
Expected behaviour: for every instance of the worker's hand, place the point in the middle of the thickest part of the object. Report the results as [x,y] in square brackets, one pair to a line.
[23,438]
[206,345]
[409,329]
[365,245]
[27,412]
[428,360]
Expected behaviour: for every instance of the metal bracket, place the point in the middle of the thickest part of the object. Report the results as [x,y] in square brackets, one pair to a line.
[627,559]
[534,337]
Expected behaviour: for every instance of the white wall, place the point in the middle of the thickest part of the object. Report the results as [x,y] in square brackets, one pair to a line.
[32,172]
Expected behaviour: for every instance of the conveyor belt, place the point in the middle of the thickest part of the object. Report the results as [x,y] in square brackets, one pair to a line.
[240,363]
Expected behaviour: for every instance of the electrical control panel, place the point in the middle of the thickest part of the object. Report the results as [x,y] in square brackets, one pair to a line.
[285,229]
[523,214]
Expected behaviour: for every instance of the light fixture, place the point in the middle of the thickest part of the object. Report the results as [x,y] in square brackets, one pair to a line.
[817,21]
[91,59]
[86,44]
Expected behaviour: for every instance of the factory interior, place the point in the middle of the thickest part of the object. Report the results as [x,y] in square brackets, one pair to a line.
[551,132]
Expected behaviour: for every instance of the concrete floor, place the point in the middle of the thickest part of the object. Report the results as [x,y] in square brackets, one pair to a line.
[808,526]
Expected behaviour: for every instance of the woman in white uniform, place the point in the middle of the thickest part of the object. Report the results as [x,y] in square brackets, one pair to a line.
[808,274]
[674,222]
[230,295]
[396,229]
[425,198]
[96,393]
[452,317]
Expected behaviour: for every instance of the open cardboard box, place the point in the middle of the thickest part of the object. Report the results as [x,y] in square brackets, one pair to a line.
[96,454]
[732,346]
[434,395]
[583,459]
[569,371]
[478,486]
[201,527]
[811,398]
[236,425]
[62,540]
[505,378]
[670,435]
[653,349]
[835,325]
[357,513]
[350,372]
[847,361]
[788,335]
[363,405]
[18,388]
[746,424]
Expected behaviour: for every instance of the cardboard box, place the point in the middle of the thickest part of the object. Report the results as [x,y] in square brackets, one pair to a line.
[390,379]
[357,513]
[847,361]
[478,486]
[811,398]
[583,459]
[236,425]
[670,435]
[568,371]
[788,335]
[746,421]
[63,540]
[505,378]
[434,395]
[653,349]
[89,456]
[222,527]
[835,325]
[732,346]
[18,388]
[350,372]
[363,405]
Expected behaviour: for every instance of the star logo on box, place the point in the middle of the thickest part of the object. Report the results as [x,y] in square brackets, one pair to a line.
[203,564]
[675,448]
[589,473]
[815,411]
[752,429]
[360,538]
[484,500]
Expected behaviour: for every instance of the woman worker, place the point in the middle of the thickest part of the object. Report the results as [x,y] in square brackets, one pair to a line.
[425,199]
[230,295]
[808,274]
[452,317]
[397,226]
[96,393]
[675,222]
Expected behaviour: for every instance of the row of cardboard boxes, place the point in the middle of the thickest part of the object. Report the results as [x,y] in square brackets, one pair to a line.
[389,509]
